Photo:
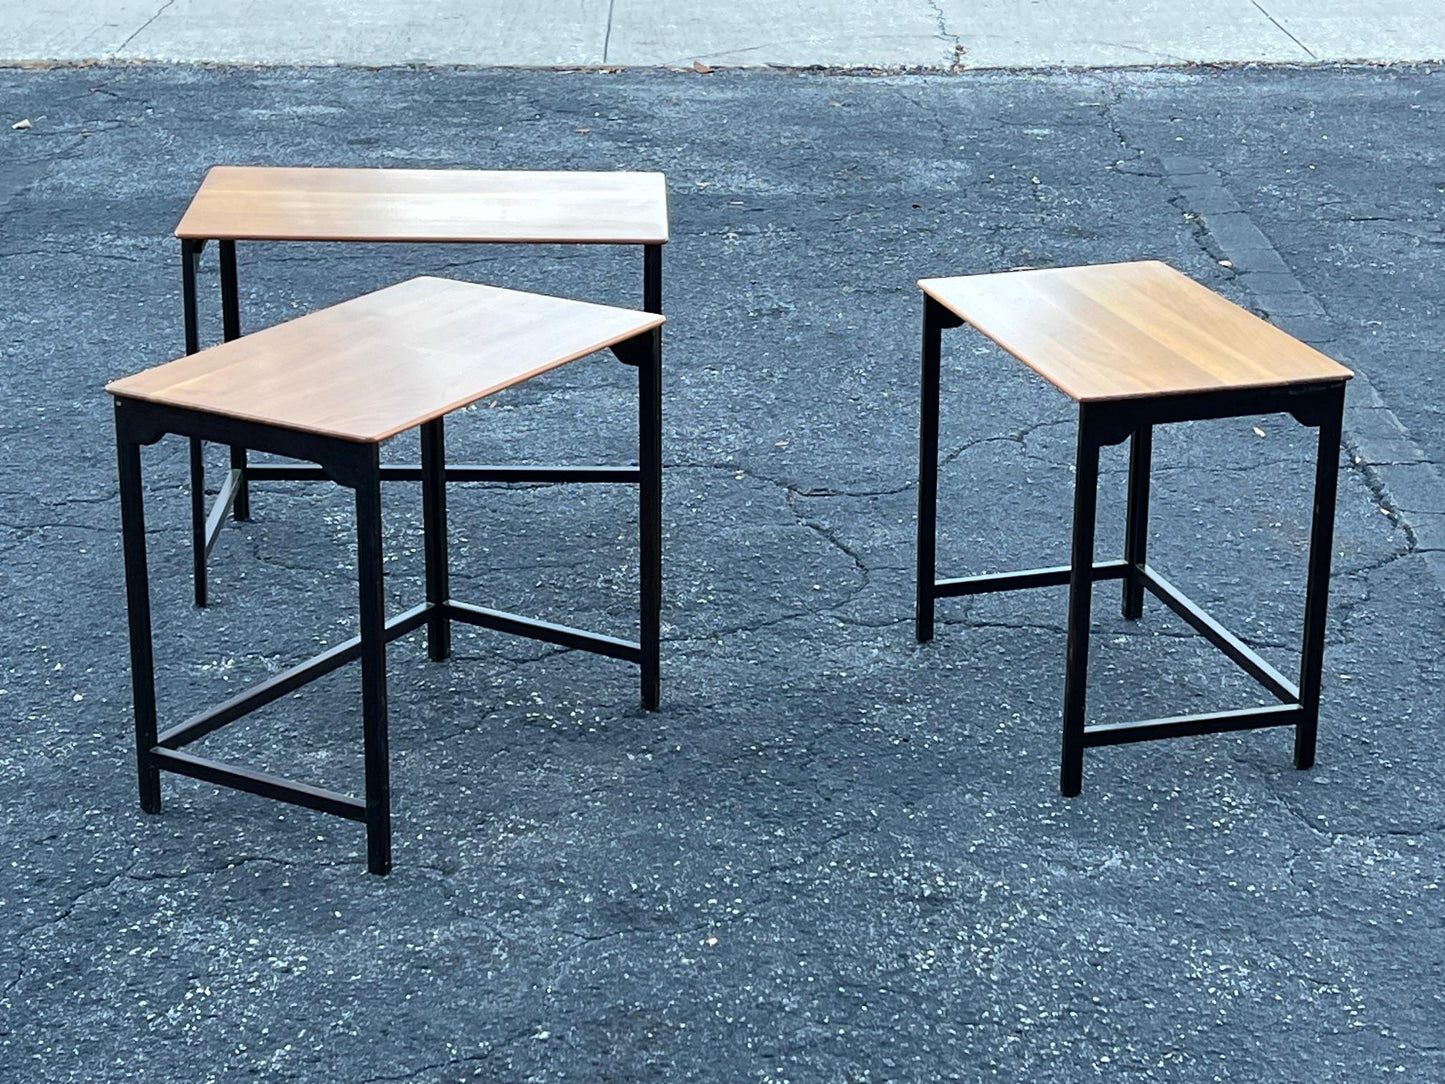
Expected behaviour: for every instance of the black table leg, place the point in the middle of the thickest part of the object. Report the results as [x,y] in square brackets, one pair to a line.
[1136,524]
[652,278]
[190,256]
[138,611]
[649,463]
[1081,582]
[1317,590]
[373,667]
[928,472]
[434,540]
[231,329]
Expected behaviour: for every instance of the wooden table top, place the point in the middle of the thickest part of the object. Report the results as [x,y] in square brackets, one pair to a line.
[1130,330]
[272,203]
[377,365]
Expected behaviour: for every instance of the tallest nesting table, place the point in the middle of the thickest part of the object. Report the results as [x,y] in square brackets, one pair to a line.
[419,206]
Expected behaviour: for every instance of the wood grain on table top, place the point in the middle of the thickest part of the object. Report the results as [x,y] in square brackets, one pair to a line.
[1129,330]
[380,364]
[279,203]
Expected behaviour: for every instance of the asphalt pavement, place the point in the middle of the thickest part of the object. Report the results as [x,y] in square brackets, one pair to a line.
[833,855]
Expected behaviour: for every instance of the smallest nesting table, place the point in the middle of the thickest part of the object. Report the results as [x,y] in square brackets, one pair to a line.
[1138,345]
[328,389]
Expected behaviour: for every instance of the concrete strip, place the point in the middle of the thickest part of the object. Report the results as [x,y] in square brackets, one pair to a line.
[1005,33]
[533,33]
[930,34]
[794,33]
[86,30]
[1349,30]
[527,33]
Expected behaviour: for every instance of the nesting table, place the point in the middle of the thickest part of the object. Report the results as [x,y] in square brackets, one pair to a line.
[1137,345]
[265,203]
[328,389]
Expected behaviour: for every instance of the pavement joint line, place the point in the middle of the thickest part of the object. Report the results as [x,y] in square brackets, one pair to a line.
[138,31]
[1397,470]
[1284,29]
[607,34]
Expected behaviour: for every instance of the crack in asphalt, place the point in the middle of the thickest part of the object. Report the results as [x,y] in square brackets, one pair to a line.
[502,1044]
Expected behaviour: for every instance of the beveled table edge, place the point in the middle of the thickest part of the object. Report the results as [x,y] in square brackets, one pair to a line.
[363,238]
[927,286]
[650,322]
